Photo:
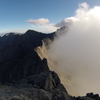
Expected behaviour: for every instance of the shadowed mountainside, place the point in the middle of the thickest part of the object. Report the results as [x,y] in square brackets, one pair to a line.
[27,75]
[16,46]
[16,50]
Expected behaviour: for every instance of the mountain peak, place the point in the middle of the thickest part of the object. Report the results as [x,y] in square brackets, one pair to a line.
[11,34]
[62,30]
[31,31]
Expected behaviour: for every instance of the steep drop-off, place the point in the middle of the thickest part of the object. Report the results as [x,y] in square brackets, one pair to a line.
[23,74]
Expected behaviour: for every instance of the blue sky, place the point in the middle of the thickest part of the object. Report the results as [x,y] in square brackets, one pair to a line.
[15,14]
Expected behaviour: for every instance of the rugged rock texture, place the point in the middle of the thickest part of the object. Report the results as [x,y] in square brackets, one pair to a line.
[18,59]
[23,74]
[16,46]
[16,70]
[43,86]
[89,96]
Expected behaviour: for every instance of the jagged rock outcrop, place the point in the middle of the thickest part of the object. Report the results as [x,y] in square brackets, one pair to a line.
[18,59]
[89,96]
[31,64]
[23,74]
[16,46]
[43,86]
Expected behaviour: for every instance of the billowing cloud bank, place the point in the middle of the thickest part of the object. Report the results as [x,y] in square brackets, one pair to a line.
[78,51]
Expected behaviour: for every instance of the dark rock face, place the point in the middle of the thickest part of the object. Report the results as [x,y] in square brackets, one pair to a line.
[89,96]
[27,75]
[18,59]
[93,96]
[31,64]
[16,46]
[48,82]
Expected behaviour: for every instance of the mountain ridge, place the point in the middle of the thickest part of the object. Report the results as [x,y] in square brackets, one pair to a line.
[25,75]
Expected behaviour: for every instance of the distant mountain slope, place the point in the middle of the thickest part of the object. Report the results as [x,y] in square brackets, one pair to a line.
[17,51]
[16,46]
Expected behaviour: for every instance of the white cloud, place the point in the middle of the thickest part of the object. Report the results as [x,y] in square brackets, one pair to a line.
[68,21]
[14,31]
[40,21]
[84,5]
[78,51]
[84,11]
[47,28]
[65,22]
[42,25]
